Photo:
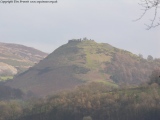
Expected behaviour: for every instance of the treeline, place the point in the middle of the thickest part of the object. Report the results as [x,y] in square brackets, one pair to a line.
[89,102]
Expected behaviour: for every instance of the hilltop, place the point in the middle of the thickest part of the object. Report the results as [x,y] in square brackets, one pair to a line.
[83,61]
[16,59]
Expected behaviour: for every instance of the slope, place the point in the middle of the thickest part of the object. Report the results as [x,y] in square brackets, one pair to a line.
[16,58]
[79,62]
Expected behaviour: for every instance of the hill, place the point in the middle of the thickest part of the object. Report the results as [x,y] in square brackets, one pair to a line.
[16,58]
[79,62]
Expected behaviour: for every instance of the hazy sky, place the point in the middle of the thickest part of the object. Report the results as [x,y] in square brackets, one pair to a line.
[47,26]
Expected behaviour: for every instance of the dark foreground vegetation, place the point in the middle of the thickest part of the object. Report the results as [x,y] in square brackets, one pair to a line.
[7,93]
[95,101]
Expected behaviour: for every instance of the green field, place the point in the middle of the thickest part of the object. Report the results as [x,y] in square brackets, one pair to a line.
[4,78]
[108,83]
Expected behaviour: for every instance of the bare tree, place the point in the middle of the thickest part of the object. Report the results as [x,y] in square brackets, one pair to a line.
[148,5]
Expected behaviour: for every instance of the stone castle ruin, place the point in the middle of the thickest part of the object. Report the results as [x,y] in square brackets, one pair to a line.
[79,40]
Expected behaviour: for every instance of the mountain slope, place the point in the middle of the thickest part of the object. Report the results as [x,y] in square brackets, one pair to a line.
[79,62]
[16,58]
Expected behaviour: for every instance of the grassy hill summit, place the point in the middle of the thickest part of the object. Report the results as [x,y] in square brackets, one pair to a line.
[16,58]
[81,62]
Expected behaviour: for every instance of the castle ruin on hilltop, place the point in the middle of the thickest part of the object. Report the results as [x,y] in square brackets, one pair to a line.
[79,40]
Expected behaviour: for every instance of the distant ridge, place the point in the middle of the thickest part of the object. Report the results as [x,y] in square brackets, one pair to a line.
[16,58]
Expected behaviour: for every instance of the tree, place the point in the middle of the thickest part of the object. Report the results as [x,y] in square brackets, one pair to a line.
[155,77]
[150,58]
[149,5]
[141,56]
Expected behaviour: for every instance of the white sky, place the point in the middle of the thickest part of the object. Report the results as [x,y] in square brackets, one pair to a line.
[48,26]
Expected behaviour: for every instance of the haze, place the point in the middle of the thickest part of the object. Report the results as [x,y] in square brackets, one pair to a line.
[47,26]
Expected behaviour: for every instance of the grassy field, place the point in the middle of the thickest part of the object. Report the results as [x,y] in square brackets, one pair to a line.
[108,83]
[4,78]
